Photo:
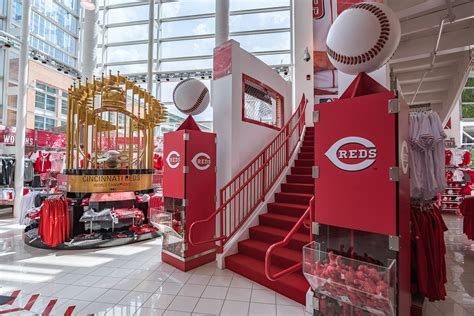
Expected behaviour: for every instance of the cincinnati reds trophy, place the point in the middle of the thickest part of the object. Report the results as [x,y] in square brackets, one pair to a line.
[189,182]
[361,178]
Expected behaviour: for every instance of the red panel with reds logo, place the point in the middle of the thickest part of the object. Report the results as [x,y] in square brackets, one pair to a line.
[354,158]
[189,192]
[174,151]
[362,203]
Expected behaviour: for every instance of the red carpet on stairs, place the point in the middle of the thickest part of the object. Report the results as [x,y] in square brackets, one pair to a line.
[289,205]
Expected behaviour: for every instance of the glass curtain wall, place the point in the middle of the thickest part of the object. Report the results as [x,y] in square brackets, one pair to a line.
[185,36]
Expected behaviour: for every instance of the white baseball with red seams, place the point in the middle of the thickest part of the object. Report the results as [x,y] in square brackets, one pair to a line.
[191,96]
[363,38]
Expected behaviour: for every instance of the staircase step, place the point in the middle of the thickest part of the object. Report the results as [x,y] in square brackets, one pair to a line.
[293,286]
[273,235]
[304,162]
[297,188]
[295,198]
[306,155]
[286,209]
[299,178]
[301,170]
[309,143]
[307,149]
[281,221]
[281,257]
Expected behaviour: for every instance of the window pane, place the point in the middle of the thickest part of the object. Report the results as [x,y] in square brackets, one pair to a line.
[468,95]
[187,48]
[129,69]
[112,2]
[127,33]
[51,90]
[50,103]
[186,65]
[49,123]
[277,59]
[190,27]
[260,21]
[167,92]
[11,118]
[470,82]
[64,106]
[256,4]
[187,7]
[120,15]
[39,122]
[41,86]
[40,100]
[264,42]
[127,53]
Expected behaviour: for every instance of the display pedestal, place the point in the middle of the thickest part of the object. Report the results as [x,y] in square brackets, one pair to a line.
[189,191]
[360,261]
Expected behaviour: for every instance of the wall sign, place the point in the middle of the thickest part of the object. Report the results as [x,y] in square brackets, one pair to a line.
[109,183]
[173,159]
[352,153]
[201,161]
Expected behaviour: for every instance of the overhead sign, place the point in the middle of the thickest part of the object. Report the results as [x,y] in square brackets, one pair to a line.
[352,153]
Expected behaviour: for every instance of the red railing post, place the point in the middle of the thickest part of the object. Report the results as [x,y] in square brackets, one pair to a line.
[221,242]
[264,164]
[287,136]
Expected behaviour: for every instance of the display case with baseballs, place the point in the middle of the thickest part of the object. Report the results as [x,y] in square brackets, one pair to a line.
[359,262]
[189,183]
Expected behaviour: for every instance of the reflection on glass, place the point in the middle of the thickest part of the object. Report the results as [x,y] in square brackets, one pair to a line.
[187,7]
[259,21]
[188,27]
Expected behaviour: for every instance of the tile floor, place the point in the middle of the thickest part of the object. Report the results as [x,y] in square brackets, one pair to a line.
[127,280]
[132,280]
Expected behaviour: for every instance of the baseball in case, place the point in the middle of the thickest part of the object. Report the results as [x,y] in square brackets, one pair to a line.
[363,204]
[189,192]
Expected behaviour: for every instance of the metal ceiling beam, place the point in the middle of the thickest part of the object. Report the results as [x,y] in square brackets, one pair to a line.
[435,75]
[429,98]
[433,20]
[461,73]
[426,87]
[451,42]
[424,63]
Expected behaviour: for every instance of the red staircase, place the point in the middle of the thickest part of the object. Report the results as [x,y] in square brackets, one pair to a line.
[289,206]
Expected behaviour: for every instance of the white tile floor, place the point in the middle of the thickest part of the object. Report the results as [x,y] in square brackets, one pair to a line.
[132,280]
[127,280]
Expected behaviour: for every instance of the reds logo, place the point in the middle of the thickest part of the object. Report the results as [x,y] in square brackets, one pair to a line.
[352,153]
[173,159]
[201,161]
[318,9]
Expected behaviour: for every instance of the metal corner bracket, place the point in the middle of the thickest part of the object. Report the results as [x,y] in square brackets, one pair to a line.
[394,174]
[394,243]
[185,169]
[315,228]
[316,117]
[315,172]
[186,136]
[393,106]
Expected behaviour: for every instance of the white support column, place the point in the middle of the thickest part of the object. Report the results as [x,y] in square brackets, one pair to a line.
[151,36]
[21,108]
[90,38]
[222,21]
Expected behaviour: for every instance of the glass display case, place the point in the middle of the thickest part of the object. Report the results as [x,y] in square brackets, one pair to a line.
[353,284]
[173,220]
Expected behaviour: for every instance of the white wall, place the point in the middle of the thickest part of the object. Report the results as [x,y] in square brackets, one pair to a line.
[239,142]
[302,39]
[455,130]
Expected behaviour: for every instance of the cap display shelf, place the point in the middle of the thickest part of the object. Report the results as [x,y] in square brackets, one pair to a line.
[363,285]
[452,197]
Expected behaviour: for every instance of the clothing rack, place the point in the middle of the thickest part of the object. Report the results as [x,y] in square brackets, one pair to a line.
[425,107]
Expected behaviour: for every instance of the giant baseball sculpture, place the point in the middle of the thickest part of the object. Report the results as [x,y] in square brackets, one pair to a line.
[363,38]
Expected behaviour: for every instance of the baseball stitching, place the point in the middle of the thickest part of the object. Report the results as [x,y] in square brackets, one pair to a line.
[374,51]
[198,101]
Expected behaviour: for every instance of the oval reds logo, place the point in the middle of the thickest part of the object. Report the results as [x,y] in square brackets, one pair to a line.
[173,159]
[201,161]
[352,153]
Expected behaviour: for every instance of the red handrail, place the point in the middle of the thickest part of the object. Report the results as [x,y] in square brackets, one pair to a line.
[245,191]
[285,241]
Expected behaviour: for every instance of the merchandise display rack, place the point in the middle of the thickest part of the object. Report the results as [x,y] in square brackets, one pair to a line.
[108,166]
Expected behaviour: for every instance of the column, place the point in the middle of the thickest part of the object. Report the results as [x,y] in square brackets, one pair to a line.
[90,36]
[222,21]
[21,108]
